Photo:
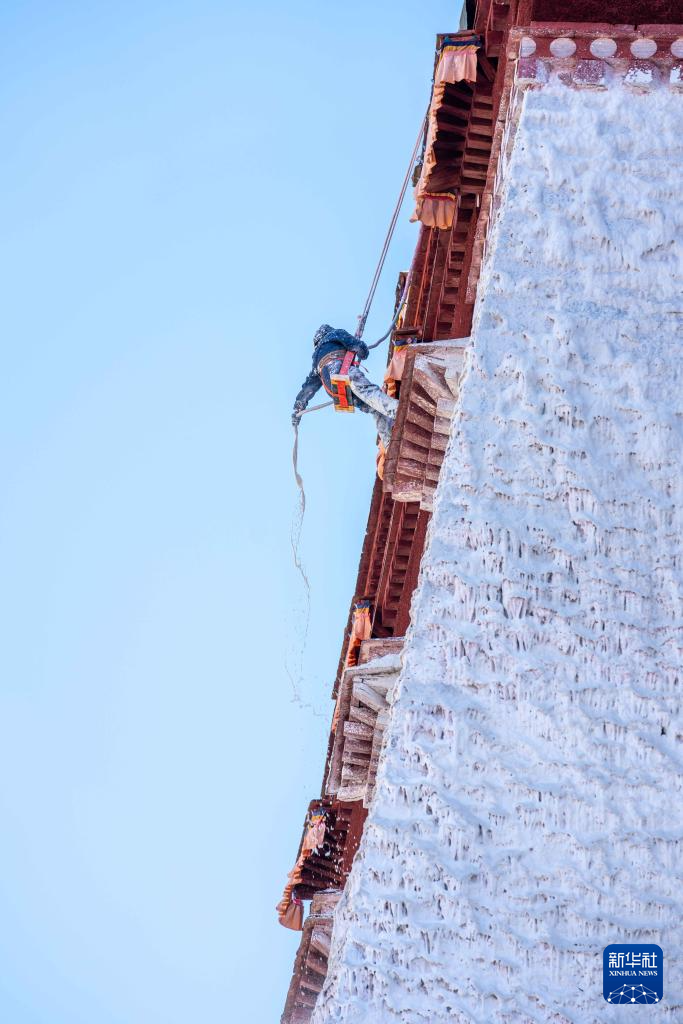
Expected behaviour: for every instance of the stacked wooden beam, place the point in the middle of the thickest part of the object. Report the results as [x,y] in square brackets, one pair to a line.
[429,390]
[497,24]
[328,867]
[466,124]
[444,321]
[441,314]
[310,966]
[370,650]
[362,713]
[450,310]
[400,514]
[438,274]
[421,277]
[395,565]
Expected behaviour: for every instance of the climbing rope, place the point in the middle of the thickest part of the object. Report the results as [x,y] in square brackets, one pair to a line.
[314,408]
[390,233]
[399,307]
[295,538]
[299,515]
[297,523]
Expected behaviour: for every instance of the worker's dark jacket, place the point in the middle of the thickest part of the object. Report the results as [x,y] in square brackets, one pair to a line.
[329,339]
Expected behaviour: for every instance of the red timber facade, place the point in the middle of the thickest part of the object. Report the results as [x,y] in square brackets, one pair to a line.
[471,120]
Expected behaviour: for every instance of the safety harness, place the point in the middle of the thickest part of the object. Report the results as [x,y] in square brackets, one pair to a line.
[339,391]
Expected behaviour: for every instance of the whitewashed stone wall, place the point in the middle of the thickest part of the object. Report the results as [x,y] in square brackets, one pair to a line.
[529,801]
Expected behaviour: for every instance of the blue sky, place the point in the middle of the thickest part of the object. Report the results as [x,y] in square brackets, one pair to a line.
[187,191]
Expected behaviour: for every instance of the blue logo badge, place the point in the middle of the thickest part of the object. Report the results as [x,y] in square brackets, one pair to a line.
[633,973]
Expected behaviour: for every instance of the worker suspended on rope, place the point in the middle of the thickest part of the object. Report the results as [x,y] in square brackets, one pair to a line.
[336,355]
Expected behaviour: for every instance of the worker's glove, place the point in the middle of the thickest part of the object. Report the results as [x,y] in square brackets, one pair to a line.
[362,351]
[296,416]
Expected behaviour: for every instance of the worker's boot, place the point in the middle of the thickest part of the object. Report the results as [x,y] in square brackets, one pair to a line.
[384,426]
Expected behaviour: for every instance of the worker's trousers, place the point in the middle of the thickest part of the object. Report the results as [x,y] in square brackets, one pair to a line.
[370,398]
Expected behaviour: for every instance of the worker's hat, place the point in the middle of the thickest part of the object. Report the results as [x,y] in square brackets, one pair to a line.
[320,334]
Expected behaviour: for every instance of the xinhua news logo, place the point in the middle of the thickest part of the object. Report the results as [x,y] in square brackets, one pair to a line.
[633,973]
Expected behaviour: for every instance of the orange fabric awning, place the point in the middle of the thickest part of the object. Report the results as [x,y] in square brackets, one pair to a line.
[394,371]
[361,629]
[290,909]
[435,211]
[457,64]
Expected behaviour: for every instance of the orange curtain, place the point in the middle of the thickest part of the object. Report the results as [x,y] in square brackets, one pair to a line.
[457,64]
[435,211]
[394,371]
[284,915]
[315,833]
[361,629]
[293,916]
